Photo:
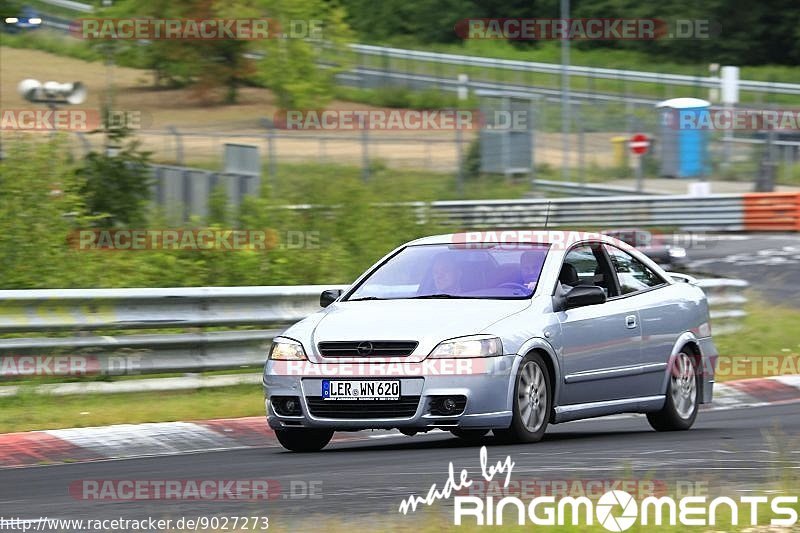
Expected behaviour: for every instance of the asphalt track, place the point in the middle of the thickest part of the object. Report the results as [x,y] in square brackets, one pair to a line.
[728,450]
[770,262]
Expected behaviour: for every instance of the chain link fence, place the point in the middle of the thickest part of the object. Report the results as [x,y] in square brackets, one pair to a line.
[597,148]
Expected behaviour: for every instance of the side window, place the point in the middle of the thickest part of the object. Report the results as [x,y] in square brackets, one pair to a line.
[581,267]
[632,274]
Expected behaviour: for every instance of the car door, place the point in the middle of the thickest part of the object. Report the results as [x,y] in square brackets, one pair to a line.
[639,285]
[601,343]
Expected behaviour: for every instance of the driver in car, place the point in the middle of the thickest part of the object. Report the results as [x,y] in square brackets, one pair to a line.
[446,275]
[530,265]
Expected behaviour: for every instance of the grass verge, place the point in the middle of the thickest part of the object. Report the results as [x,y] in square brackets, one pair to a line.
[29,411]
[768,344]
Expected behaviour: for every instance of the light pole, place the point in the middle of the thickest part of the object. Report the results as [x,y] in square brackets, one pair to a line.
[109,49]
[565,111]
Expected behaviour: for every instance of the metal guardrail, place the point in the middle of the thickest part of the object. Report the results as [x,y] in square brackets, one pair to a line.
[571,70]
[103,319]
[718,212]
[94,309]
[129,309]
[69,4]
[376,78]
[584,189]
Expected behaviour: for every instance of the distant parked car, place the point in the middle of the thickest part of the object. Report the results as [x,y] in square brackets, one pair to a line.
[546,330]
[665,254]
[27,18]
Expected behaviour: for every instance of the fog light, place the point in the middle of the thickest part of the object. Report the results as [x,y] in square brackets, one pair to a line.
[448,405]
[286,405]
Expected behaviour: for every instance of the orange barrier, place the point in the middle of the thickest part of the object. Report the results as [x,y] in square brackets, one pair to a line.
[772,211]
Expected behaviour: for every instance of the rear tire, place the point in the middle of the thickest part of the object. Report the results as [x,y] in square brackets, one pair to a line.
[680,408]
[531,403]
[304,440]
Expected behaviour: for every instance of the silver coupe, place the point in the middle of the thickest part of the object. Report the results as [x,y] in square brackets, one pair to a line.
[504,331]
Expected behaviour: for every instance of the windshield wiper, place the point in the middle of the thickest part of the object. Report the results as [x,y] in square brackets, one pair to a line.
[364,298]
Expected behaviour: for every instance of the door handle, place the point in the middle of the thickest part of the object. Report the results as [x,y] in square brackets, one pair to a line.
[630,321]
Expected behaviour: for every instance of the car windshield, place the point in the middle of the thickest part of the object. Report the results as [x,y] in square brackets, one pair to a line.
[485,270]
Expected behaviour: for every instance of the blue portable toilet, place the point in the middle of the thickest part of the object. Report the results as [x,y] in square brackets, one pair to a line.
[684,124]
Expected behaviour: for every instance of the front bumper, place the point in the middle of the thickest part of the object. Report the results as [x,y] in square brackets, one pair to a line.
[486,389]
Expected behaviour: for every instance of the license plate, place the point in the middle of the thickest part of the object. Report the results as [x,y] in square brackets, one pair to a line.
[333,389]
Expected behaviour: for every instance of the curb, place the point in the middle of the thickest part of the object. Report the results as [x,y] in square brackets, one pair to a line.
[125,441]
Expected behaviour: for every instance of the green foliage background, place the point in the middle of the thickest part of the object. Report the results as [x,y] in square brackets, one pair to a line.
[41,206]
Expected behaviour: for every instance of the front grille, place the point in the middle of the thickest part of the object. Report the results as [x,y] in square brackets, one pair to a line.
[379,348]
[405,407]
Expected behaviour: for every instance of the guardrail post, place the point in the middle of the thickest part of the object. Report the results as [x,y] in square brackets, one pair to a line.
[178,144]
[365,170]
[459,162]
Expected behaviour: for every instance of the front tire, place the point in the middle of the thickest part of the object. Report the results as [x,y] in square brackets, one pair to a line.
[532,402]
[304,440]
[680,408]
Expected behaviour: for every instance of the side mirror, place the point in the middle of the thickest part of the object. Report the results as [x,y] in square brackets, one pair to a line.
[329,296]
[584,295]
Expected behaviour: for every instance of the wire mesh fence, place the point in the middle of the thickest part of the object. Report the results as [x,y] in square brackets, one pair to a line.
[596,146]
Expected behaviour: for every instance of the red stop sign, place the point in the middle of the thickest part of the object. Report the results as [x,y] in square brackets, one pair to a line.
[639,143]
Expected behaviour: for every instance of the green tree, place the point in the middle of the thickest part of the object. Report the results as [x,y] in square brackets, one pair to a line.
[38,207]
[116,183]
[290,66]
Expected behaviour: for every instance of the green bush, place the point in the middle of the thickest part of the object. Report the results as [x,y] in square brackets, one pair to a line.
[342,232]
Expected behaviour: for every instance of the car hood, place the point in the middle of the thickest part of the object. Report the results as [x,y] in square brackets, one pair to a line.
[426,321]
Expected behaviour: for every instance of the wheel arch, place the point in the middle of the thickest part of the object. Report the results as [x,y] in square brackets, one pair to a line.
[688,342]
[548,353]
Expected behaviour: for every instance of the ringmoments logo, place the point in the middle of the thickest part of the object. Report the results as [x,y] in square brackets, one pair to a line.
[618,510]
[615,510]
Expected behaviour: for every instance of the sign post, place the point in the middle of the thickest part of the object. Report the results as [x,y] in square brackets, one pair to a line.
[639,144]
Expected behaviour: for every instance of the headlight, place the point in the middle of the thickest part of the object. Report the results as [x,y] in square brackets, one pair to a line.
[474,346]
[284,349]
[677,252]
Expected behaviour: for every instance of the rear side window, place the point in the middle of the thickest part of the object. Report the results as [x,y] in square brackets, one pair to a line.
[633,275]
